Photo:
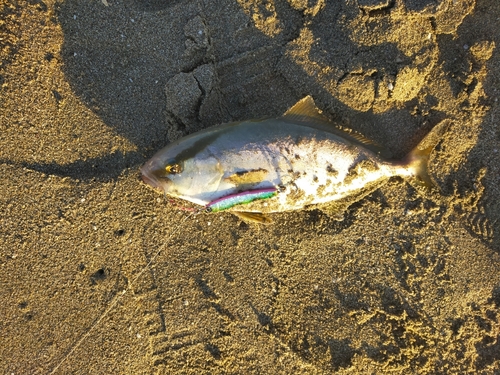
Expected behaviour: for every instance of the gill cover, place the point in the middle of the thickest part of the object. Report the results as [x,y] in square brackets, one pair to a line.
[181,171]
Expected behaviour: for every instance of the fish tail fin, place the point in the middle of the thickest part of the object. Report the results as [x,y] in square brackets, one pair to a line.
[417,161]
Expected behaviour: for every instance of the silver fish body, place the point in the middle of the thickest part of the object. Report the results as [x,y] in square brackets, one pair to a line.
[303,156]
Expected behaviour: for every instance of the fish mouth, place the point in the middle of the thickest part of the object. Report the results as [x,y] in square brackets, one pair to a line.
[150,179]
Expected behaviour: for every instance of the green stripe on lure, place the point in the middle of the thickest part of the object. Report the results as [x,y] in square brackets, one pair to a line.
[295,161]
[244,197]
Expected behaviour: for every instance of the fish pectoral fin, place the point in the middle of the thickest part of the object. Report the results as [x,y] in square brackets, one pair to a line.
[252,176]
[253,217]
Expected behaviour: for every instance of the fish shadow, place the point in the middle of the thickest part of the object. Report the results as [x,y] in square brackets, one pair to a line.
[120,58]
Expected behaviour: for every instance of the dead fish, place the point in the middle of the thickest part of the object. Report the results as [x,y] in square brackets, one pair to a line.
[296,161]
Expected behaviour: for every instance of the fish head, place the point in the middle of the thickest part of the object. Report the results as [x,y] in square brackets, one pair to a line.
[181,170]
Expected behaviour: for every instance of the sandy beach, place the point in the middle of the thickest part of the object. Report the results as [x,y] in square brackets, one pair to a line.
[101,275]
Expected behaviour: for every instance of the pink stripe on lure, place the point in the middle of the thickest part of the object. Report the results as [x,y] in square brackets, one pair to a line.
[244,197]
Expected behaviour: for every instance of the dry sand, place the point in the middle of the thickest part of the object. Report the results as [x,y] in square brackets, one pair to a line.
[407,283]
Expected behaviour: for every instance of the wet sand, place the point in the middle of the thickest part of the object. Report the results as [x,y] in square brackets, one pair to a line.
[408,282]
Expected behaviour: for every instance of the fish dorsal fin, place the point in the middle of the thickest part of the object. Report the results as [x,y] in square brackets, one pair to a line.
[366,142]
[305,110]
[357,136]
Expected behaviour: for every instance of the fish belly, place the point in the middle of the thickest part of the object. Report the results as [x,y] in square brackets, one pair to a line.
[315,171]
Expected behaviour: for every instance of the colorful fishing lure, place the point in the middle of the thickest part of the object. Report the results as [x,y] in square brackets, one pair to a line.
[243,197]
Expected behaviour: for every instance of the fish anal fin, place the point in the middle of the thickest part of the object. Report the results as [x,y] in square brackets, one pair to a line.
[253,217]
[337,209]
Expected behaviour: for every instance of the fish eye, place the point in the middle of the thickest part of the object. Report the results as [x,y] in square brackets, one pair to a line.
[173,169]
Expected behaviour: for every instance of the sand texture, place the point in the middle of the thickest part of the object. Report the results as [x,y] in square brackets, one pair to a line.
[101,275]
